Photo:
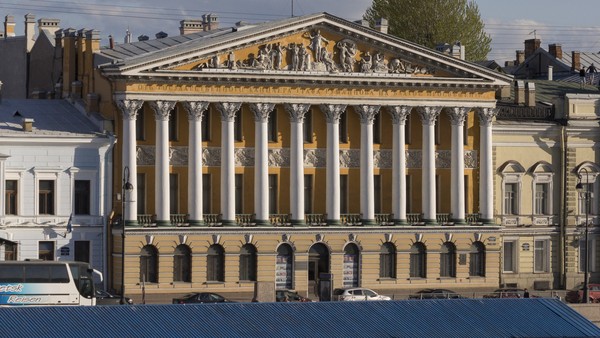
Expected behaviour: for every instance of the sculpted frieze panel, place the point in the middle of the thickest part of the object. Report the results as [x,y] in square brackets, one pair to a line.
[244,157]
[178,156]
[145,155]
[315,158]
[279,157]
[349,158]
[211,157]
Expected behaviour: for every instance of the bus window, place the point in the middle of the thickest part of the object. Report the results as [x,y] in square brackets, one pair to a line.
[58,274]
[12,274]
[86,288]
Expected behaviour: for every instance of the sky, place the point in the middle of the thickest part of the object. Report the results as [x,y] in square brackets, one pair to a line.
[571,23]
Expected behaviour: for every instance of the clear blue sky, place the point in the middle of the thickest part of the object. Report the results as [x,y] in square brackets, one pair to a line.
[572,23]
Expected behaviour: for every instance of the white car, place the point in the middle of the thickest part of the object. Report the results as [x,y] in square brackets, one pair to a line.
[357,294]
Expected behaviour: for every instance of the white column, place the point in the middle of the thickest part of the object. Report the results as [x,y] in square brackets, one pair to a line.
[297,112]
[195,110]
[428,116]
[228,111]
[261,161]
[332,115]
[399,115]
[486,178]
[130,109]
[458,116]
[162,202]
[367,186]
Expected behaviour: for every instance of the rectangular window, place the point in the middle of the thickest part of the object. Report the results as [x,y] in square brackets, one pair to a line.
[11,196]
[173,125]
[436,132]
[82,197]
[205,125]
[139,126]
[466,193]
[308,194]
[408,194]
[541,198]
[509,256]
[377,193]
[408,129]
[510,198]
[308,127]
[438,192]
[206,195]
[466,131]
[10,251]
[343,125]
[344,194]
[272,126]
[174,193]
[582,254]
[541,256]
[46,197]
[141,193]
[46,250]
[237,128]
[239,193]
[377,129]
[583,206]
[82,251]
[273,207]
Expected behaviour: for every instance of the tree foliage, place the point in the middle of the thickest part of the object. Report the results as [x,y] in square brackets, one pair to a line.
[431,22]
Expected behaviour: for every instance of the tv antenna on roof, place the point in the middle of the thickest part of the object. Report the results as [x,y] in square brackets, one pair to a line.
[534,33]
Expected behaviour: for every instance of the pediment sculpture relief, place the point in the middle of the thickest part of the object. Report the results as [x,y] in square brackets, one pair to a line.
[318,54]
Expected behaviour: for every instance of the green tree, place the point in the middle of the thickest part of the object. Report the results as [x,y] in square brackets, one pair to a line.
[431,22]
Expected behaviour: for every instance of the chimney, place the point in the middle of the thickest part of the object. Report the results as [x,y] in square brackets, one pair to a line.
[520,57]
[111,42]
[48,25]
[190,26]
[519,92]
[9,26]
[362,22]
[161,35]
[27,124]
[92,40]
[530,94]
[550,73]
[458,50]
[143,38]
[69,60]
[575,61]
[29,31]
[127,38]
[531,46]
[382,25]
[210,22]
[555,50]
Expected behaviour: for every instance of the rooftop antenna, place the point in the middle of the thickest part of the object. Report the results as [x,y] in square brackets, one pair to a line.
[534,34]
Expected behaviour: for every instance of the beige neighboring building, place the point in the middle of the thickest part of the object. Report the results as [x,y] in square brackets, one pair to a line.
[544,143]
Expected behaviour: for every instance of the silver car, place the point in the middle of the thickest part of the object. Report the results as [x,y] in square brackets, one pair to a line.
[358,294]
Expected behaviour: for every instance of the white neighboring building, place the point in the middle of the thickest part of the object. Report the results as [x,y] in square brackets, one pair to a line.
[56,167]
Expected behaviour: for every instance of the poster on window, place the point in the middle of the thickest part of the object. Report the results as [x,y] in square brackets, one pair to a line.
[350,271]
[283,273]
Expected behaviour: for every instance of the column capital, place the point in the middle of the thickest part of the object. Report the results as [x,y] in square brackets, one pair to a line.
[129,108]
[428,114]
[162,109]
[333,112]
[195,109]
[296,111]
[457,115]
[261,111]
[399,113]
[228,110]
[367,113]
[486,116]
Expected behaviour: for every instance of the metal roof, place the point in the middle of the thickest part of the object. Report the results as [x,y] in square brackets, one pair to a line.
[407,318]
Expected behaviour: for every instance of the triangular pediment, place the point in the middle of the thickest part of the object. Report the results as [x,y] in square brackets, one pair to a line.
[313,45]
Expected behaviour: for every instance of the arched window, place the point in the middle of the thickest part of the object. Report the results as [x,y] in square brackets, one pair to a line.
[215,264]
[387,260]
[284,267]
[418,261]
[149,264]
[182,264]
[351,265]
[477,259]
[248,263]
[448,260]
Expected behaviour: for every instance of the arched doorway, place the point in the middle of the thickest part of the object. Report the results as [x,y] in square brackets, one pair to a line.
[318,262]
[351,266]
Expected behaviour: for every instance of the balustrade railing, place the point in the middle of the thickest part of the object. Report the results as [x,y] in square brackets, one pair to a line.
[315,219]
[280,220]
[179,220]
[384,219]
[212,220]
[351,219]
[245,220]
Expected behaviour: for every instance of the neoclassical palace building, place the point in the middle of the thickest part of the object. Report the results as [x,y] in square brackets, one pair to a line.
[279,151]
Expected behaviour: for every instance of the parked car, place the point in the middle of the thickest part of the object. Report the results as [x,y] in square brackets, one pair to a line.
[290,296]
[357,294]
[507,293]
[575,295]
[107,298]
[201,297]
[435,294]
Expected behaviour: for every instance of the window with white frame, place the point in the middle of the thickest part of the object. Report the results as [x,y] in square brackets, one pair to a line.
[13,193]
[511,197]
[46,191]
[509,256]
[588,175]
[542,189]
[512,173]
[85,196]
[541,255]
[592,257]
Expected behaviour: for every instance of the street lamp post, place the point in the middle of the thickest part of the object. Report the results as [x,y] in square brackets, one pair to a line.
[587,194]
[127,188]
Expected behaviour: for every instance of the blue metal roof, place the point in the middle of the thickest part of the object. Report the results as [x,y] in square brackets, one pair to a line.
[412,318]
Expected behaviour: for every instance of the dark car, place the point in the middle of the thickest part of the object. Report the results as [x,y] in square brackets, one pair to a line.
[435,294]
[201,297]
[507,293]
[107,298]
[290,296]
[575,295]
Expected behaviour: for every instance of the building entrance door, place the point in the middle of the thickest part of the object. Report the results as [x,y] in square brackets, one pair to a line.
[318,262]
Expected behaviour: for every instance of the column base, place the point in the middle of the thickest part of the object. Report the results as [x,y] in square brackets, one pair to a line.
[430,222]
[298,222]
[262,222]
[460,221]
[400,222]
[368,222]
[334,222]
[228,223]
[163,223]
[131,223]
[199,222]
[488,221]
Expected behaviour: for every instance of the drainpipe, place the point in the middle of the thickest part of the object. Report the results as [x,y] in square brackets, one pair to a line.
[563,207]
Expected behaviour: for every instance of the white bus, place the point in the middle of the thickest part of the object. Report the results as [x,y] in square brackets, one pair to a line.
[46,283]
